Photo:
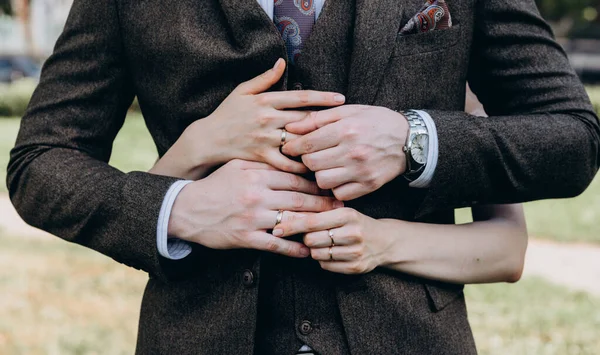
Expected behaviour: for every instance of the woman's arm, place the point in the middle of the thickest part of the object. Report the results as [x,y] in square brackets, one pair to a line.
[491,249]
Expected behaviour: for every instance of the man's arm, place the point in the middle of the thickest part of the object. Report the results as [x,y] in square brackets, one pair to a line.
[542,137]
[58,176]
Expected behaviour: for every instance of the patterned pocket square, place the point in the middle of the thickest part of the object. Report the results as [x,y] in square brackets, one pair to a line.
[434,15]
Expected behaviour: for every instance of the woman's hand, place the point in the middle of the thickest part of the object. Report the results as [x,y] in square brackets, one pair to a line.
[247,125]
[360,243]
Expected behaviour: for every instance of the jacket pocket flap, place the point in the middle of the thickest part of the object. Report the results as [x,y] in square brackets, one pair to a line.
[442,294]
[426,42]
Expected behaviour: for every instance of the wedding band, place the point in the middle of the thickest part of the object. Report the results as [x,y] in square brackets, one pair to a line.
[330,253]
[279,218]
[283,137]
[331,237]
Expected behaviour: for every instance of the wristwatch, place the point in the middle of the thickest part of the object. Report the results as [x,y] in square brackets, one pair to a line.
[417,145]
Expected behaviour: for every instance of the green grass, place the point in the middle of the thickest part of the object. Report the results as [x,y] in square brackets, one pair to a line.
[533,317]
[86,303]
[566,220]
[133,149]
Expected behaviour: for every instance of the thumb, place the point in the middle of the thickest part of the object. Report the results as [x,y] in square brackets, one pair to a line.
[264,81]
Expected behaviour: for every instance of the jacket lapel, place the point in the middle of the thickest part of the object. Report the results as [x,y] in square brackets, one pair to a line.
[254,37]
[376,27]
[246,18]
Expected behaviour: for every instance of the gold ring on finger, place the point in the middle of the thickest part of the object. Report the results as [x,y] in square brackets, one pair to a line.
[279,218]
[331,237]
[283,137]
[330,253]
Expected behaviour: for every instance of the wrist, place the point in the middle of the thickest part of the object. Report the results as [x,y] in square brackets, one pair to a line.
[207,151]
[397,251]
[178,225]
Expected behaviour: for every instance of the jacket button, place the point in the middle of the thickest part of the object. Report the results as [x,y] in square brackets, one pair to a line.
[306,327]
[298,86]
[248,278]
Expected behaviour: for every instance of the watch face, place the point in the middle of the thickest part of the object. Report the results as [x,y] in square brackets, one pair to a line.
[419,148]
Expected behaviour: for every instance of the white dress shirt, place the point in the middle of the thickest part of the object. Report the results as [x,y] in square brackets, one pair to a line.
[176,249]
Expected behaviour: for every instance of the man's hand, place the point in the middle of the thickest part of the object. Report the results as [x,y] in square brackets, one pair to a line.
[353,149]
[247,125]
[235,206]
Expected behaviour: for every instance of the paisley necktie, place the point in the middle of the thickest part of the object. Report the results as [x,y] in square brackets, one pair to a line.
[294,20]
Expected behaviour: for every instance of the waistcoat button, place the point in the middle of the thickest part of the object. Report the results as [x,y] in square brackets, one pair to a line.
[306,327]
[248,278]
[297,86]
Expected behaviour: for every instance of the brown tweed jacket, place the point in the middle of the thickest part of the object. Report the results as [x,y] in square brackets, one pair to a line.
[182,58]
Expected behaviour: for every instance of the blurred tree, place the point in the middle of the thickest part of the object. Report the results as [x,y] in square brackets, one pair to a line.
[578,10]
[5,7]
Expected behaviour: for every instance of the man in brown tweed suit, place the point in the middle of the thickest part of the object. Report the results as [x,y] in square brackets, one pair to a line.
[237,289]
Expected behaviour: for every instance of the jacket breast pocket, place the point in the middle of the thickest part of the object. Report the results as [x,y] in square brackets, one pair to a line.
[427,42]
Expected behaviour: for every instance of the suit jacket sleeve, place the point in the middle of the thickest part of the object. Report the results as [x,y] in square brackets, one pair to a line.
[542,137]
[58,176]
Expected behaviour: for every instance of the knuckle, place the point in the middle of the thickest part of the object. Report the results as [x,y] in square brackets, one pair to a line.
[307,146]
[308,161]
[304,97]
[298,200]
[264,119]
[356,233]
[359,153]
[250,198]
[289,250]
[272,245]
[327,203]
[262,99]
[350,132]
[313,119]
[371,182]
[295,182]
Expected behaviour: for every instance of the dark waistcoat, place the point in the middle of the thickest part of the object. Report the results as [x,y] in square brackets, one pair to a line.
[297,299]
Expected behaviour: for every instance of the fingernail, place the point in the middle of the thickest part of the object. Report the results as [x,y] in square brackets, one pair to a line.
[277,63]
[305,252]
[339,98]
[278,232]
[338,204]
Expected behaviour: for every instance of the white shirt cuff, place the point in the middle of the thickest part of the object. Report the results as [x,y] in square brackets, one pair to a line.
[170,248]
[432,156]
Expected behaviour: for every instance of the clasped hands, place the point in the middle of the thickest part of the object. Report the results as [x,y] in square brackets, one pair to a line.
[353,150]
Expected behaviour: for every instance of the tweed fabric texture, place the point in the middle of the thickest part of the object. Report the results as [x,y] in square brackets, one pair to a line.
[541,141]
